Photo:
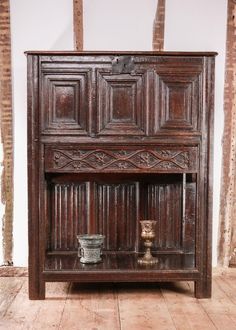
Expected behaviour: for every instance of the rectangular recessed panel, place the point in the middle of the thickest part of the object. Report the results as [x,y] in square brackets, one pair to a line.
[178,99]
[64,104]
[121,100]
[178,104]
[122,103]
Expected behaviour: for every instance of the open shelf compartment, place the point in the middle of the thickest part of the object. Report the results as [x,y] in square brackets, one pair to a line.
[112,205]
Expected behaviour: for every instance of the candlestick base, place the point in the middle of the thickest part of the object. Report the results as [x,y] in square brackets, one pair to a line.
[148,259]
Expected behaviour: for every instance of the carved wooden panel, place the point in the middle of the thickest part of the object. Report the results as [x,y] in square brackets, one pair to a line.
[168,215]
[117,214]
[121,104]
[119,207]
[68,216]
[175,228]
[178,102]
[65,106]
[121,159]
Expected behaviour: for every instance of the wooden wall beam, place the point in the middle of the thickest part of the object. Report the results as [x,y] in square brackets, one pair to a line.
[78,24]
[159,26]
[6,129]
[227,228]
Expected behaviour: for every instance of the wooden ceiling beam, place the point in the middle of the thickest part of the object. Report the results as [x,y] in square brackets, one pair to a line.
[78,24]
[6,127]
[227,228]
[159,26]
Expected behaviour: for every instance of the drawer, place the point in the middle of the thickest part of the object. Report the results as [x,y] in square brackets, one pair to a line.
[98,158]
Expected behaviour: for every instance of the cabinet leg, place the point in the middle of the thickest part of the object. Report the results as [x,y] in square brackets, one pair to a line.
[202,289]
[37,290]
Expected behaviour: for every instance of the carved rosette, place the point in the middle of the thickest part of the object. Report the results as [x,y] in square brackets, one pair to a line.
[154,159]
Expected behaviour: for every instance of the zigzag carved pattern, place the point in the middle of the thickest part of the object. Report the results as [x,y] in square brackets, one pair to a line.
[100,159]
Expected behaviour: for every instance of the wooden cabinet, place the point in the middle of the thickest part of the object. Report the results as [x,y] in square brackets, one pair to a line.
[114,138]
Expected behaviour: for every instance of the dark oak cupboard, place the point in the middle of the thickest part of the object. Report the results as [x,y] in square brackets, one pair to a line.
[114,138]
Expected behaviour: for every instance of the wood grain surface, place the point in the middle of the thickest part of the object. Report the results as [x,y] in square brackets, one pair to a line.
[78,24]
[227,232]
[159,26]
[6,128]
[119,307]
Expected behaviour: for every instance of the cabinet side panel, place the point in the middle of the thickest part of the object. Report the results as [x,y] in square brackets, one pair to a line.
[36,285]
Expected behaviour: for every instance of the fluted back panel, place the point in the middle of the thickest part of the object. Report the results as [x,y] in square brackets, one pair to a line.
[164,205]
[117,208]
[117,215]
[69,215]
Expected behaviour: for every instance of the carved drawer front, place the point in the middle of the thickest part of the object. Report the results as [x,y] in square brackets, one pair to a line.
[65,100]
[121,159]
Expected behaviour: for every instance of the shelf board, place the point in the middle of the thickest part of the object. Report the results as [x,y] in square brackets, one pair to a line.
[119,267]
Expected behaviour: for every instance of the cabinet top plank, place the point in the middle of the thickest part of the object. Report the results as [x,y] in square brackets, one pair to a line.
[92,53]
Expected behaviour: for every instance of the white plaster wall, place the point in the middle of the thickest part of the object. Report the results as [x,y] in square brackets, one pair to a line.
[118,25]
[44,25]
[200,25]
[108,25]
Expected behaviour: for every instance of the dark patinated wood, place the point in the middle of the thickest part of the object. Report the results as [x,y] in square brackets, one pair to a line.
[114,138]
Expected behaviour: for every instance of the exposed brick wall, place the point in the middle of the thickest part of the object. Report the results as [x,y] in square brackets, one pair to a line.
[159,26]
[227,229]
[6,128]
[78,24]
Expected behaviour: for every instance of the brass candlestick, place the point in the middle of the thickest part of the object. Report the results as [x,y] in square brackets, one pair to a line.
[148,234]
